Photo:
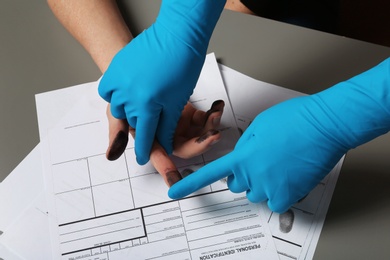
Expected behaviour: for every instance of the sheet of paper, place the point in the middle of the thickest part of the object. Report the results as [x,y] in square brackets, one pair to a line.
[16,185]
[297,231]
[113,210]
[6,253]
[24,221]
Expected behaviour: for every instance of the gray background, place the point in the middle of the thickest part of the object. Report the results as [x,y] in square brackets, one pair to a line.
[37,54]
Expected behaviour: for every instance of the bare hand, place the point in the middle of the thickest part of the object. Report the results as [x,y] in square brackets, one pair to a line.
[195,134]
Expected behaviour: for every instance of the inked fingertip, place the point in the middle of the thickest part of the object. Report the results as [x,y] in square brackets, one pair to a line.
[118,146]
[218,105]
[172,177]
[186,172]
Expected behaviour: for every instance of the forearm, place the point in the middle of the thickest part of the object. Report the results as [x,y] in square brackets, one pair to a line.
[236,5]
[359,108]
[97,24]
[190,21]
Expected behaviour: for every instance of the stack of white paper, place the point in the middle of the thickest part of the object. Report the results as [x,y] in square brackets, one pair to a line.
[98,209]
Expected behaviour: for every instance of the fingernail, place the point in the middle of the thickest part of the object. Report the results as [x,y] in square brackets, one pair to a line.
[206,135]
[173,177]
[217,106]
[118,146]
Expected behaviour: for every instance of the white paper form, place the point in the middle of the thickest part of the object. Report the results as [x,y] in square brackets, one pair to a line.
[6,253]
[297,231]
[23,219]
[17,185]
[117,210]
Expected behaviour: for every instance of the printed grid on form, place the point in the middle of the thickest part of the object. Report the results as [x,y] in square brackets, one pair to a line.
[113,210]
[296,232]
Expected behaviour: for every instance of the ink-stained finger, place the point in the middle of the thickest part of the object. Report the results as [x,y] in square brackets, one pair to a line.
[203,119]
[203,177]
[162,162]
[183,127]
[213,120]
[164,165]
[195,146]
[198,118]
[117,136]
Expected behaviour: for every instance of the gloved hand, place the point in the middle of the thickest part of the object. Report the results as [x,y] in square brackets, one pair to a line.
[151,79]
[289,148]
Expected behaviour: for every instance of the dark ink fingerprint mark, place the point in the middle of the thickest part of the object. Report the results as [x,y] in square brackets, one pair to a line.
[286,221]
[217,106]
[186,172]
[173,177]
[118,146]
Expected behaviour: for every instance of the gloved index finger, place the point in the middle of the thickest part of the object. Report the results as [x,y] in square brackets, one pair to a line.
[144,138]
[205,176]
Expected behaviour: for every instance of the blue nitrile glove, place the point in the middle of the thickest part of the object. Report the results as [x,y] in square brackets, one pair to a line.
[151,79]
[289,148]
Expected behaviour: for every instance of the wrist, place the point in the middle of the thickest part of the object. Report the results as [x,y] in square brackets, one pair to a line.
[191,21]
[104,53]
